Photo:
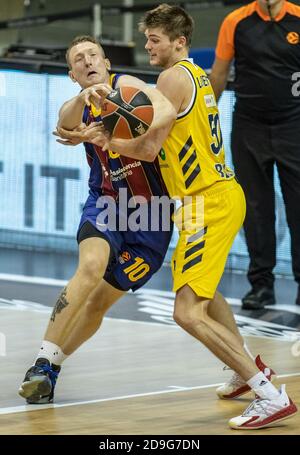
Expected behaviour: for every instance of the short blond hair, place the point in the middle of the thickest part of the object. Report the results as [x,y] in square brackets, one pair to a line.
[173,19]
[82,39]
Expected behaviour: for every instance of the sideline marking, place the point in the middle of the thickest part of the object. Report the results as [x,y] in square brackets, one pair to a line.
[31,408]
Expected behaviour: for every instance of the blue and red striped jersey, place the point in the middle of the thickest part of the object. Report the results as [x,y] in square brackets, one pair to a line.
[110,172]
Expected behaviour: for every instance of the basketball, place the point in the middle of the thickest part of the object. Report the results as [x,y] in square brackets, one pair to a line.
[127,112]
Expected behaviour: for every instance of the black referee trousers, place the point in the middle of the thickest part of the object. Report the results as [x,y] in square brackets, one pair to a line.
[256,148]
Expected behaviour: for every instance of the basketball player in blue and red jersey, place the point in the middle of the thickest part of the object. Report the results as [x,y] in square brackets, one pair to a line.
[111,261]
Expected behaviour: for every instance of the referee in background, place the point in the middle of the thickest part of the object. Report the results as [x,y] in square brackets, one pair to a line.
[263,38]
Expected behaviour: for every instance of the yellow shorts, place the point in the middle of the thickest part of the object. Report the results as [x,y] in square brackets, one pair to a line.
[201,252]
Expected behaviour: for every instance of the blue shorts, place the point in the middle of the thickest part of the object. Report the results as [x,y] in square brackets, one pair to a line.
[135,256]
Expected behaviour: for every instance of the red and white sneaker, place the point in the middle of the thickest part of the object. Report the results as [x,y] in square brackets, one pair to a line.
[264,413]
[237,387]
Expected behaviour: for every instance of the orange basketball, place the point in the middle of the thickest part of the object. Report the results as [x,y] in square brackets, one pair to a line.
[127,112]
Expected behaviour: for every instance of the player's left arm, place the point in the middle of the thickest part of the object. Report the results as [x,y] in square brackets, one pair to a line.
[145,147]
[166,100]
[164,113]
[130,81]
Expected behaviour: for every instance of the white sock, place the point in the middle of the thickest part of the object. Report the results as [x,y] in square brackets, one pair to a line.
[59,357]
[263,387]
[248,351]
[51,352]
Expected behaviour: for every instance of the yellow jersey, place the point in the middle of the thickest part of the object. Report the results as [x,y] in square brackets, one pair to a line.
[192,157]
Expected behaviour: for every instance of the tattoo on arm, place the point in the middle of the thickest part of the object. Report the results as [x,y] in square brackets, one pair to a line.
[60,305]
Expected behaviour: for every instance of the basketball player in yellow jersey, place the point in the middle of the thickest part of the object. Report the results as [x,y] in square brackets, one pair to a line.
[193,164]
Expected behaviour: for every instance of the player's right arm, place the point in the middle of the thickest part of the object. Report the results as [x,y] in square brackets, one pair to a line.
[71,112]
[167,99]
[145,147]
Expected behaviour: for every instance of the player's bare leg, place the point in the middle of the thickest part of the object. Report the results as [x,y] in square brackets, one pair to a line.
[219,310]
[91,315]
[236,386]
[192,314]
[40,380]
[93,259]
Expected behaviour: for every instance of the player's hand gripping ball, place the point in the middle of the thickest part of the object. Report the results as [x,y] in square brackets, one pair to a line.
[127,112]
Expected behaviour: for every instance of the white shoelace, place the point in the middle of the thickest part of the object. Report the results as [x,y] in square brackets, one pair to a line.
[256,407]
[263,406]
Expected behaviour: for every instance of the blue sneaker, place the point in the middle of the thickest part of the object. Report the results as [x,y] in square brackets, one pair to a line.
[39,382]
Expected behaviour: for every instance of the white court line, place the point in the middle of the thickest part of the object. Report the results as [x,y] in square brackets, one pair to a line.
[26,408]
[31,408]
[32,279]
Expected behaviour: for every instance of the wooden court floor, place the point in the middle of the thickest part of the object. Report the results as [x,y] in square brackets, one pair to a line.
[132,378]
